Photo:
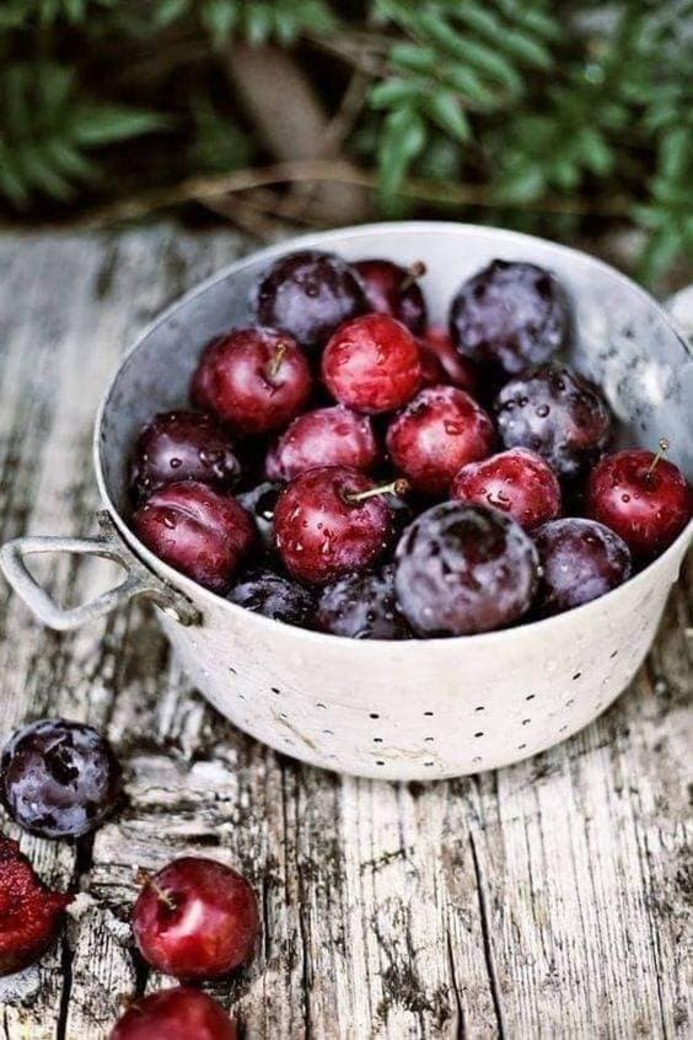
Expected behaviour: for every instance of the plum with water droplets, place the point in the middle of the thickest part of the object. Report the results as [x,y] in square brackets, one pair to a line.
[510,315]
[333,436]
[558,414]
[518,482]
[58,778]
[308,294]
[372,364]
[440,430]
[641,496]
[330,522]
[182,445]
[463,569]
[580,561]
[274,596]
[254,380]
[363,606]
[196,530]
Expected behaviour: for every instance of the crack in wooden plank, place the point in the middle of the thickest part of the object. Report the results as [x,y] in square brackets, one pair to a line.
[486,934]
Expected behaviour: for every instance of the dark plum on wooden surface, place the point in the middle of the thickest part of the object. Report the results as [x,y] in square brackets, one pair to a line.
[58,778]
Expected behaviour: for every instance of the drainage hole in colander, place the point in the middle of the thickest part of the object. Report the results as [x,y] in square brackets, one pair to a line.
[530,696]
[428,714]
[275,689]
[613,654]
[479,734]
[569,702]
[429,763]
[526,722]
[241,696]
[429,740]
[379,762]
[377,740]
[283,715]
[480,708]
[562,729]
[521,747]
[476,759]
[320,705]
[232,670]
[577,676]
[328,732]
[374,715]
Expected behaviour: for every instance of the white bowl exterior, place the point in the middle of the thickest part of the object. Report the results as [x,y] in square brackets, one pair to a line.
[421,709]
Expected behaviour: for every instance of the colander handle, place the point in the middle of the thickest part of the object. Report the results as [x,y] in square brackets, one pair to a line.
[138,580]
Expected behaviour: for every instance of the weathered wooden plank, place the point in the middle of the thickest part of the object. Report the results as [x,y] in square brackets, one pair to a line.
[547,900]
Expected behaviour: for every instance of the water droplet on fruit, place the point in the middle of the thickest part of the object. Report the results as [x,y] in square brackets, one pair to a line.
[625,498]
[543,410]
[169,522]
[176,463]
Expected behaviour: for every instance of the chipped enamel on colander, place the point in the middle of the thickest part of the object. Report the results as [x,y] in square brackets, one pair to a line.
[423,709]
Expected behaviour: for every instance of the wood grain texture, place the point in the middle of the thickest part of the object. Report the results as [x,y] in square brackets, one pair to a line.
[547,900]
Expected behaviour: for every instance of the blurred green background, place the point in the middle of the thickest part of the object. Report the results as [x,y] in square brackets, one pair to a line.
[563,119]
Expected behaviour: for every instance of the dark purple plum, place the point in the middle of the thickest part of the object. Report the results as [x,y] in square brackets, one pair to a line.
[59,779]
[580,560]
[274,596]
[260,501]
[510,315]
[558,414]
[394,290]
[308,294]
[201,533]
[182,445]
[363,606]
[463,569]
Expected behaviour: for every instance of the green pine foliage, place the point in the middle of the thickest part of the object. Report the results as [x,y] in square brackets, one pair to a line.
[537,107]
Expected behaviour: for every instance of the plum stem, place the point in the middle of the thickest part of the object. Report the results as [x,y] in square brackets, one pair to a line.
[276,360]
[146,880]
[662,449]
[395,487]
[414,272]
